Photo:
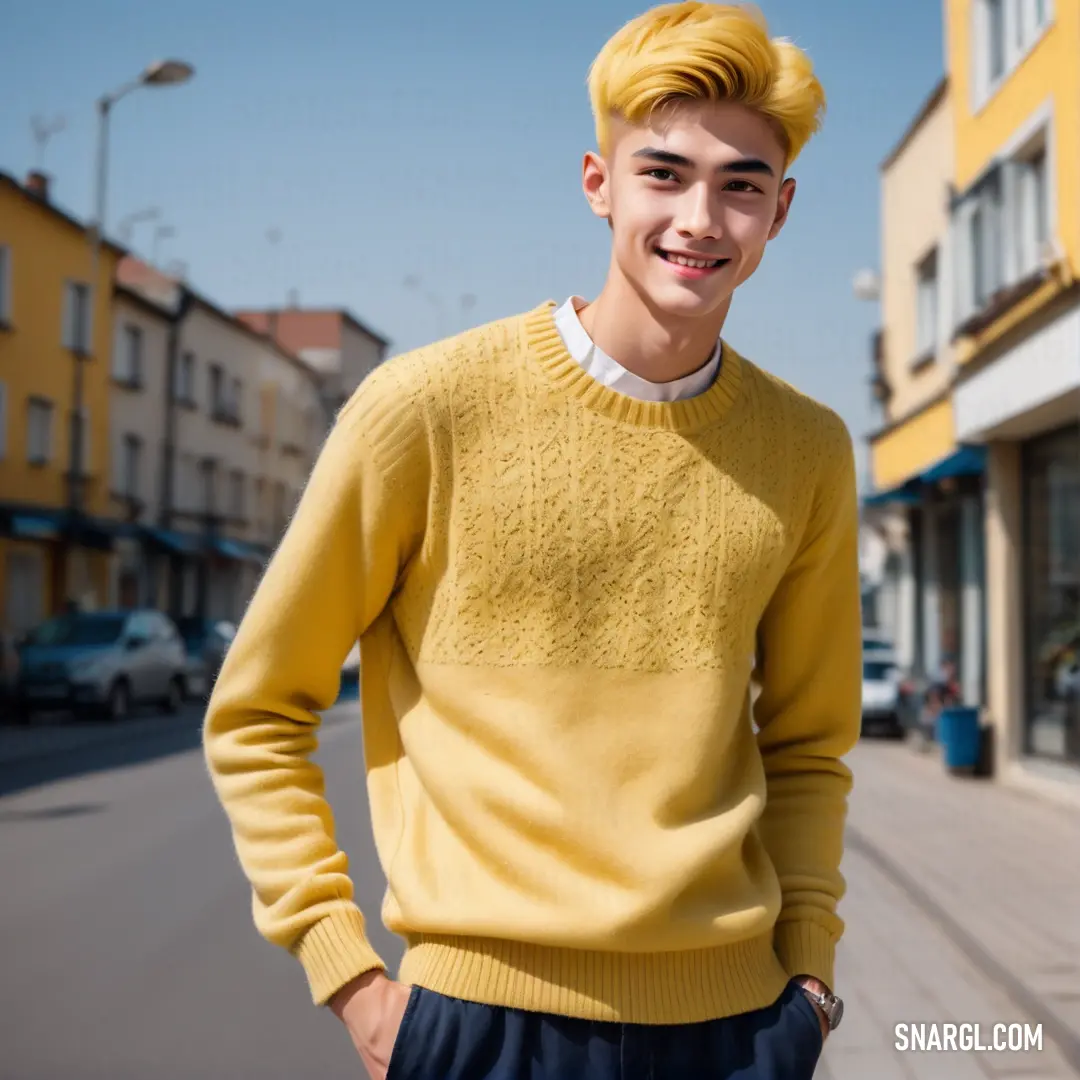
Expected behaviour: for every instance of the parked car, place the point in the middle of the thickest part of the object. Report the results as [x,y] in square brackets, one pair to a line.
[206,642]
[882,694]
[101,663]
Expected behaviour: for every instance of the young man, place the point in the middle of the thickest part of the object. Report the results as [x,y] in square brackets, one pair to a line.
[563,540]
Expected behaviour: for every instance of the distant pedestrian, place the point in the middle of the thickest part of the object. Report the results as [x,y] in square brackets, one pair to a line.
[563,539]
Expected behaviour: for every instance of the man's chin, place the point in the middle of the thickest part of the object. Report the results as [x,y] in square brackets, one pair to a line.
[685,302]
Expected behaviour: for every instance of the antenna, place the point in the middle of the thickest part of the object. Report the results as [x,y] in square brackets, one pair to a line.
[162,232]
[126,228]
[43,131]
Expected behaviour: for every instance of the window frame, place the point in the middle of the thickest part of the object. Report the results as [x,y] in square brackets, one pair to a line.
[35,404]
[1011,267]
[6,263]
[77,307]
[1021,32]
[927,332]
[128,359]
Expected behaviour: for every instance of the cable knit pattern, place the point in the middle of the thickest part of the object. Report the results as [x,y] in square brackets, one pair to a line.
[559,593]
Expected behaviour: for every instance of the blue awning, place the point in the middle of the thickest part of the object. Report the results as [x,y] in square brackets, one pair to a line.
[177,542]
[902,495]
[237,549]
[966,461]
[36,526]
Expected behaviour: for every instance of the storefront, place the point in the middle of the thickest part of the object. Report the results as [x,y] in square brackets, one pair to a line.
[1024,406]
[943,576]
[1050,466]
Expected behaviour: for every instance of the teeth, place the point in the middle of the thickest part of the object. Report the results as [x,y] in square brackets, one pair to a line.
[700,264]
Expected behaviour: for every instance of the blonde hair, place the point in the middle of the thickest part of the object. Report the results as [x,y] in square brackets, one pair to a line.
[695,51]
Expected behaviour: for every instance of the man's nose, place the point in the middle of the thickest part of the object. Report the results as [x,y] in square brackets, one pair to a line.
[698,216]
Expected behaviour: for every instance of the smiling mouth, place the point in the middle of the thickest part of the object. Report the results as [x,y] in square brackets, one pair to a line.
[697,264]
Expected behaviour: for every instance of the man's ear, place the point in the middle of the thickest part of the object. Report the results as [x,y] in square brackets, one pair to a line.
[783,206]
[595,182]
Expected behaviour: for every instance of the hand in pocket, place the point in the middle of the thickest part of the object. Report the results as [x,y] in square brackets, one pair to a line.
[372,1008]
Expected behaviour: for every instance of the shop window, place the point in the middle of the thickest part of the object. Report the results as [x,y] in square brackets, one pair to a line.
[1052,593]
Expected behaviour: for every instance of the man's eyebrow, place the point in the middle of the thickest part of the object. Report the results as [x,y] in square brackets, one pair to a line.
[741,165]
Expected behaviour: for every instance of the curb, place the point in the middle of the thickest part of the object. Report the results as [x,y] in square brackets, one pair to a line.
[1060,1033]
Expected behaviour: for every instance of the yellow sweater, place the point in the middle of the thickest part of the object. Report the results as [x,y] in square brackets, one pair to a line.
[559,593]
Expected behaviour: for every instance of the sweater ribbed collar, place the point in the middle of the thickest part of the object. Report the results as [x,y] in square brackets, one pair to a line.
[546,347]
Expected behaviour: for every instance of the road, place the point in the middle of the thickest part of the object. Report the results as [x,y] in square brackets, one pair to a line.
[129,951]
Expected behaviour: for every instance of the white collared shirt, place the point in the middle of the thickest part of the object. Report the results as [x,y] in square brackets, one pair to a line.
[611,373]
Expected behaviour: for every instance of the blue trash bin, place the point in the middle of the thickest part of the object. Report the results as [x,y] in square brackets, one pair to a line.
[959,734]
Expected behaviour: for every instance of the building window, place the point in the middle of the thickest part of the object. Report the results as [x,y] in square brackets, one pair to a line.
[76,330]
[1051,484]
[184,379]
[5,285]
[926,301]
[130,467]
[1031,211]
[1002,227]
[980,262]
[39,433]
[128,356]
[995,38]
[1003,33]
[237,493]
[217,391]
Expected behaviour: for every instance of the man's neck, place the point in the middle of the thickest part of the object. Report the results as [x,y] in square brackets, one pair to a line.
[653,346]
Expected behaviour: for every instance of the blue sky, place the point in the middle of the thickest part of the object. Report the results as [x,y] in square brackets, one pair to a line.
[443,141]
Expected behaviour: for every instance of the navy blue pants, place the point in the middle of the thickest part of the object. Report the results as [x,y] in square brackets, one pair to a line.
[442,1038]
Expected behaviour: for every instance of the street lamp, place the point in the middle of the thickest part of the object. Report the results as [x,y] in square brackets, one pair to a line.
[866,285]
[159,73]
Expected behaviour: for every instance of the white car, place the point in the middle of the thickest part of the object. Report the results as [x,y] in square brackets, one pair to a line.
[881,701]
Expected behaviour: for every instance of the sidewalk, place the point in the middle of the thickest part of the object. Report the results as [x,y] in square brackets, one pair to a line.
[963,905]
[59,733]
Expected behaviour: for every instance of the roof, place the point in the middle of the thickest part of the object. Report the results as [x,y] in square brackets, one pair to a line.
[56,211]
[926,110]
[233,320]
[149,305]
[317,326]
[161,290]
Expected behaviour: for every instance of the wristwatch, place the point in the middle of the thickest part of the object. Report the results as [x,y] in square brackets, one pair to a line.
[829,1004]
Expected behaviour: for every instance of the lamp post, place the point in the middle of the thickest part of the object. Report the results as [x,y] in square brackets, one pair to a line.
[160,73]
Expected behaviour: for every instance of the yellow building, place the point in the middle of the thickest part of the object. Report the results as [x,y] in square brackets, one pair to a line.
[979,451]
[47,556]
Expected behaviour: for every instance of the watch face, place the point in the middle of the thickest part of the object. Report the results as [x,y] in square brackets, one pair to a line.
[837,1012]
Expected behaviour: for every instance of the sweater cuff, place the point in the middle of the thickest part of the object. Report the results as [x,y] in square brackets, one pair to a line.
[806,948]
[334,952]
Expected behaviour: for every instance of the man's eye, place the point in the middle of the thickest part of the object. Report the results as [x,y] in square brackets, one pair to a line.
[660,174]
[745,186]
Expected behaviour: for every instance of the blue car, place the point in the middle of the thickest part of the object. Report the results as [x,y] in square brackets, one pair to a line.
[102,663]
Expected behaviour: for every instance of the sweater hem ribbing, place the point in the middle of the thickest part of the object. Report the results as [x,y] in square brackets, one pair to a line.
[682,987]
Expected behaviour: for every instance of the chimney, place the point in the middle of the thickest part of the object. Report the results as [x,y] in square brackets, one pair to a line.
[37,184]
